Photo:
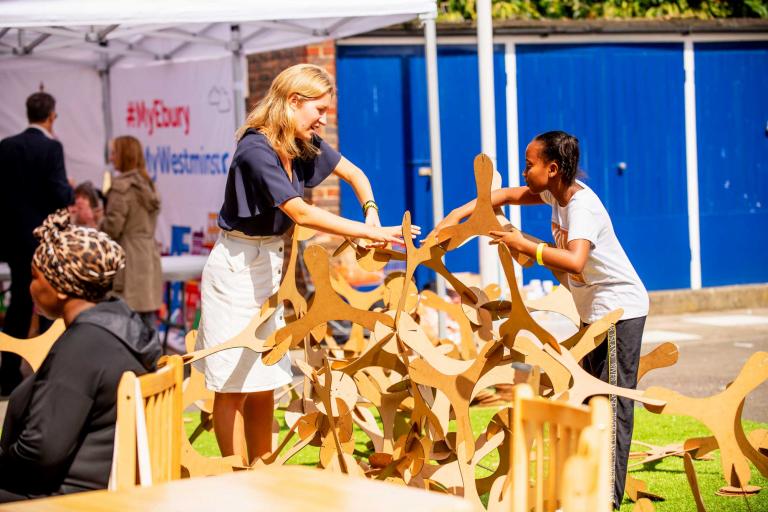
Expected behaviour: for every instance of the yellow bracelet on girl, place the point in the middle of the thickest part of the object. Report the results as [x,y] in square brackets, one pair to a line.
[540,253]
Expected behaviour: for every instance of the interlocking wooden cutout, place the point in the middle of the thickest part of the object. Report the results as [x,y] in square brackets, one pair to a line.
[326,305]
[33,350]
[721,413]
[693,481]
[484,218]
[287,292]
[519,317]
[560,301]
[662,356]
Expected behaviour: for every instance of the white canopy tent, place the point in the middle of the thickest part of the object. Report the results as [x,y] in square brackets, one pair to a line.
[102,35]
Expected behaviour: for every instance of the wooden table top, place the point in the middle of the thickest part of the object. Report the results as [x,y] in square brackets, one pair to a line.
[289,488]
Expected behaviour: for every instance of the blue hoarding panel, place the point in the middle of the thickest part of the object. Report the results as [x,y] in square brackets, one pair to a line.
[384,129]
[732,133]
[625,103]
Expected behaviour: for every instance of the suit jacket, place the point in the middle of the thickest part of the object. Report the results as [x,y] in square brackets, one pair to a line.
[33,184]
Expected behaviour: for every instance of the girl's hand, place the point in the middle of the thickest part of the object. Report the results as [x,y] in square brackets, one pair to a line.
[512,239]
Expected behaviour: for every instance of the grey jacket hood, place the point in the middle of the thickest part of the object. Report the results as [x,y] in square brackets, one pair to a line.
[115,316]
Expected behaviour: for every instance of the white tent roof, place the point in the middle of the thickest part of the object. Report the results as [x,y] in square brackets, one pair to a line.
[127,33]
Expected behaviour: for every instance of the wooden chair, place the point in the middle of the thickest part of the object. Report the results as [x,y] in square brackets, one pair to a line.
[549,439]
[148,434]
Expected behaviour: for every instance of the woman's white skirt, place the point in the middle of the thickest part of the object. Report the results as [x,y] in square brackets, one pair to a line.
[238,277]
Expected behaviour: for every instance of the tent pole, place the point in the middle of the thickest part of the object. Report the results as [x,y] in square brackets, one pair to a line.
[106,101]
[435,149]
[489,265]
[236,46]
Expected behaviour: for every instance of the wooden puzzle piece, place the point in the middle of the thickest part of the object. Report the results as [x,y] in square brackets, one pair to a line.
[637,490]
[326,305]
[693,481]
[484,217]
[560,301]
[585,385]
[721,413]
[519,317]
[33,350]
[662,356]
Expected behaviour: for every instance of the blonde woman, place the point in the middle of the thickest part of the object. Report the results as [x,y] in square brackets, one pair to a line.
[130,219]
[278,154]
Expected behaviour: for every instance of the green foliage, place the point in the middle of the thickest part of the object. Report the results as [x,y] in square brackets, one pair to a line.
[459,10]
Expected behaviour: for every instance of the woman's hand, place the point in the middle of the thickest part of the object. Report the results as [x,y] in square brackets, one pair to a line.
[512,239]
[372,219]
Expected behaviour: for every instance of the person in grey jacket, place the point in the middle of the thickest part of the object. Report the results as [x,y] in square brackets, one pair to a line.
[59,429]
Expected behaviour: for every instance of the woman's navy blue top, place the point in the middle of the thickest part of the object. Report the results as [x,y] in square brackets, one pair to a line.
[257,185]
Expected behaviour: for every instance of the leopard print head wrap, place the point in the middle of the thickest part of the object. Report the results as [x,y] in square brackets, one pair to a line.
[79,262]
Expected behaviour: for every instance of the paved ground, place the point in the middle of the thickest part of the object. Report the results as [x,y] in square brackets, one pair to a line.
[713,348]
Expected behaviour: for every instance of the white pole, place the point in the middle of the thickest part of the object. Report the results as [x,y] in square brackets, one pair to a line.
[489,264]
[513,141]
[106,101]
[692,164]
[238,82]
[435,148]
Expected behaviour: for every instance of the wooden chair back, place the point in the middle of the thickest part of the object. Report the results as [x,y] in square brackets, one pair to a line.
[545,435]
[148,436]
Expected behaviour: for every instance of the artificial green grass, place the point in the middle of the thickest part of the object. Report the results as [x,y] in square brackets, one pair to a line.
[665,478]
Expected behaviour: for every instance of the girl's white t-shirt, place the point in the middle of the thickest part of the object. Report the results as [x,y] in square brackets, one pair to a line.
[608,281]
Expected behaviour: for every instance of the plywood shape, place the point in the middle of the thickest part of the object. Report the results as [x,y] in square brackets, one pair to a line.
[721,413]
[693,481]
[585,385]
[326,305]
[519,317]
[559,300]
[662,356]
[484,218]
[33,350]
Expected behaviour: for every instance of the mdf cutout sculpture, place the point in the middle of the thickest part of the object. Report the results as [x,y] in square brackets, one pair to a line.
[721,414]
[35,349]
[326,305]
[558,301]
[484,218]
[286,293]
[693,481]
[519,318]
[416,382]
[662,356]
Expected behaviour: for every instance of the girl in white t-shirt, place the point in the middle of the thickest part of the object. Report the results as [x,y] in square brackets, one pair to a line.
[599,274]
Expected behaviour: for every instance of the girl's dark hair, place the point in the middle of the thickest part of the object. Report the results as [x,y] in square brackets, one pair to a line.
[563,148]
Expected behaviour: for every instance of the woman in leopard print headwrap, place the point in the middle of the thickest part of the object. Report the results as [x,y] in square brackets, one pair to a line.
[59,428]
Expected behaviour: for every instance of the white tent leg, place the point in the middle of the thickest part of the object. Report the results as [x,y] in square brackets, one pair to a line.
[238,80]
[106,102]
[490,271]
[435,148]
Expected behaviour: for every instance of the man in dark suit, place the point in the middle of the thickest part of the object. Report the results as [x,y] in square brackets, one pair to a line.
[33,184]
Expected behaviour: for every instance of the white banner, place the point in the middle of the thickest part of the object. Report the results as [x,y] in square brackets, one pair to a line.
[80,125]
[182,114]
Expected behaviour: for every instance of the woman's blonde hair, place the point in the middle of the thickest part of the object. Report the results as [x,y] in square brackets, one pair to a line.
[128,155]
[273,116]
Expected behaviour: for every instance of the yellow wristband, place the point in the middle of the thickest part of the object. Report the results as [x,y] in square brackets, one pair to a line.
[540,253]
